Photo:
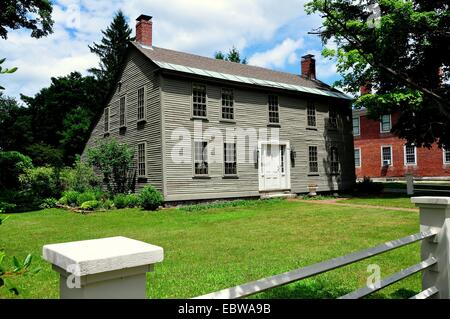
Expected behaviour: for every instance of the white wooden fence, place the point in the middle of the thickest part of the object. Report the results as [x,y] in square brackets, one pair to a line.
[116,267]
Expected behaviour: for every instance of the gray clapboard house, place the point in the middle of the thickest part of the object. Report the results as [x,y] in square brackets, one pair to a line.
[289,130]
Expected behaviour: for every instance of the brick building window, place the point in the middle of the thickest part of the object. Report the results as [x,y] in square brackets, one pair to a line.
[334,160]
[229,153]
[410,154]
[199,100]
[446,156]
[313,160]
[201,158]
[141,104]
[356,126]
[386,156]
[311,113]
[357,157]
[227,104]
[385,124]
[274,110]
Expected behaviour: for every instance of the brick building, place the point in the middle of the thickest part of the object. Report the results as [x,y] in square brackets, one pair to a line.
[381,155]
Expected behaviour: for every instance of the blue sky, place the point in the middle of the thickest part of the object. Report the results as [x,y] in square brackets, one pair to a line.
[272,34]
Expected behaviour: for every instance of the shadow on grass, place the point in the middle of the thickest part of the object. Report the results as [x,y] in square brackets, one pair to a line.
[317,289]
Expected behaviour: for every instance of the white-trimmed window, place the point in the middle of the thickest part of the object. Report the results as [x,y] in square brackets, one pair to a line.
[334,160]
[356,125]
[313,160]
[141,104]
[106,120]
[199,100]
[122,112]
[142,159]
[386,156]
[201,158]
[227,104]
[446,156]
[332,119]
[311,114]
[410,152]
[230,159]
[385,123]
[357,157]
[274,110]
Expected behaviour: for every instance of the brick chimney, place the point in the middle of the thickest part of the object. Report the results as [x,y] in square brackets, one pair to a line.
[309,66]
[144,30]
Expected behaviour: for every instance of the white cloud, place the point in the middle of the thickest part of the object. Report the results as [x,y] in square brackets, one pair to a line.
[279,55]
[201,27]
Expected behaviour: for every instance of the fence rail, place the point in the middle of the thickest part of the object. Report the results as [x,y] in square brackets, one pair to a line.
[325,266]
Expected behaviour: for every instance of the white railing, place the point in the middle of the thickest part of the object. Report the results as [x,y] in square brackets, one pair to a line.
[116,267]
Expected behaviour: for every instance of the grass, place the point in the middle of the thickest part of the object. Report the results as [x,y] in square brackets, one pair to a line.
[216,248]
[387,200]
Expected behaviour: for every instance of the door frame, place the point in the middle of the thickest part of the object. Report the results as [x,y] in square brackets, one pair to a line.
[286,174]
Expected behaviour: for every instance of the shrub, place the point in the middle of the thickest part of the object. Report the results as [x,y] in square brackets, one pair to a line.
[120,201]
[49,203]
[42,182]
[90,205]
[86,197]
[107,204]
[7,208]
[81,177]
[114,160]
[151,198]
[71,197]
[367,186]
[133,201]
[12,165]
[63,201]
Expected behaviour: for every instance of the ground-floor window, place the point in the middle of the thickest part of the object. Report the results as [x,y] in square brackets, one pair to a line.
[313,160]
[386,155]
[410,154]
[229,152]
[446,156]
[357,157]
[334,160]
[201,158]
[141,160]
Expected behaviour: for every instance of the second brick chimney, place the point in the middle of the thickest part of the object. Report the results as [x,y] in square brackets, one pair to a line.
[309,66]
[144,30]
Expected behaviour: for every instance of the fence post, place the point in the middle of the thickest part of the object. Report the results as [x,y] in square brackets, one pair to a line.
[435,216]
[409,184]
[108,268]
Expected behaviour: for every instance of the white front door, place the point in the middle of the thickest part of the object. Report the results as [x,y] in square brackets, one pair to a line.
[274,166]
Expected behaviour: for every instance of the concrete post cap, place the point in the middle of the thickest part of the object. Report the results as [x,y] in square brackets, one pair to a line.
[431,200]
[102,255]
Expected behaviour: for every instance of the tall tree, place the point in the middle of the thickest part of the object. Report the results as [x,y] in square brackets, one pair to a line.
[232,56]
[401,49]
[35,15]
[111,49]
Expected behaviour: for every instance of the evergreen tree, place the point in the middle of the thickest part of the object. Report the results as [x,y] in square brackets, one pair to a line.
[111,50]
[232,56]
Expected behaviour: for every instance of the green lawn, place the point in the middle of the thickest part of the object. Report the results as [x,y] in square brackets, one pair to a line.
[217,248]
[389,200]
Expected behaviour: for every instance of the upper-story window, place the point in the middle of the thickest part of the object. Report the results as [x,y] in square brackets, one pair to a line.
[446,156]
[334,160]
[311,113]
[201,158]
[230,158]
[332,119]
[356,126]
[199,100]
[106,119]
[227,104]
[122,112]
[386,155]
[410,154]
[313,160]
[141,104]
[274,110]
[386,124]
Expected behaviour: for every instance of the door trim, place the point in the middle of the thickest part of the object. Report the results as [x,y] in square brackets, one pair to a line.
[287,173]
